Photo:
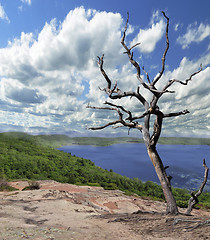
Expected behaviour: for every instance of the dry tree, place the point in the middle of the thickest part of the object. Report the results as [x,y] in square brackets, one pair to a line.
[131,121]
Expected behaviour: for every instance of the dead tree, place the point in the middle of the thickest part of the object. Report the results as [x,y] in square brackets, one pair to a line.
[194,199]
[150,108]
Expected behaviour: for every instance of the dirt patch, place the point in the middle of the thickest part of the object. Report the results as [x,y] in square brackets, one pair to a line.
[64,211]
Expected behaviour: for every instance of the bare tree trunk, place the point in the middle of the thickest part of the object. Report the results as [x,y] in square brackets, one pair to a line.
[164,180]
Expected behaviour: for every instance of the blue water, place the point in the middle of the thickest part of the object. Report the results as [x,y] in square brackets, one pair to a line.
[185,161]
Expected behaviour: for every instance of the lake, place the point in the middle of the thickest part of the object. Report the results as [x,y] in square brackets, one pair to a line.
[185,161]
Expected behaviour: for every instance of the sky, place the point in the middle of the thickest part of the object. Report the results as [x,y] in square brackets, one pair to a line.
[49,71]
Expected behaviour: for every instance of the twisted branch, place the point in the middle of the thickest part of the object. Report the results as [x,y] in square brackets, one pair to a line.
[176,114]
[152,108]
[120,120]
[133,62]
[122,108]
[185,82]
[148,79]
[194,199]
[164,54]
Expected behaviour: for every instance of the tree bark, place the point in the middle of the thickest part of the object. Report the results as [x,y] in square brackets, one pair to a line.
[164,180]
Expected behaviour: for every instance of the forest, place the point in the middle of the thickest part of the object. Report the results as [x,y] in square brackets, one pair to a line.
[28,157]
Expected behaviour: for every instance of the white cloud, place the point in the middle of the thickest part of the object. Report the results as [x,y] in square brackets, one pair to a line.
[15,92]
[150,36]
[26,1]
[194,34]
[194,97]
[77,40]
[25,121]
[47,75]
[53,76]
[176,26]
[3,14]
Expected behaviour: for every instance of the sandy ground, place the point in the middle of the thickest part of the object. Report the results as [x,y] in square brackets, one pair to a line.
[64,211]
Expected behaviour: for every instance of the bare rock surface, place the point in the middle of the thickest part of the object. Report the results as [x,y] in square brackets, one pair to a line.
[65,211]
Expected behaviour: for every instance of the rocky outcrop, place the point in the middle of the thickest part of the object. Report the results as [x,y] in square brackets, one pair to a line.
[66,211]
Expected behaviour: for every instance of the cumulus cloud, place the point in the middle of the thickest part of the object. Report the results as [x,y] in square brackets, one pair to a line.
[77,39]
[3,14]
[47,74]
[194,97]
[19,93]
[194,33]
[47,79]
[150,36]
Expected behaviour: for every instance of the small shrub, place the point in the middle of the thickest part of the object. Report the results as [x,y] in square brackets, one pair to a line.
[128,193]
[4,186]
[182,204]
[111,186]
[205,206]
[32,186]
[93,184]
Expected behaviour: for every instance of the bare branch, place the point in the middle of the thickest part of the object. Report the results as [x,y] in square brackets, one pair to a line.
[100,63]
[185,82]
[176,114]
[122,108]
[204,180]
[141,116]
[148,79]
[102,108]
[194,199]
[119,126]
[150,111]
[135,46]
[159,93]
[106,125]
[120,120]
[133,62]
[126,26]
[110,123]
[118,93]
[150,87]
[121,94]
[164,54]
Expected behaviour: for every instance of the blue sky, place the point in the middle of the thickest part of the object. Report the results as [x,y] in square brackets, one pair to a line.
[48,70]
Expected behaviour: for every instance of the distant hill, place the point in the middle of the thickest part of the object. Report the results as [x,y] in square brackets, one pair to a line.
[184,141]
[56,140]
[53,141]
[164,140]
